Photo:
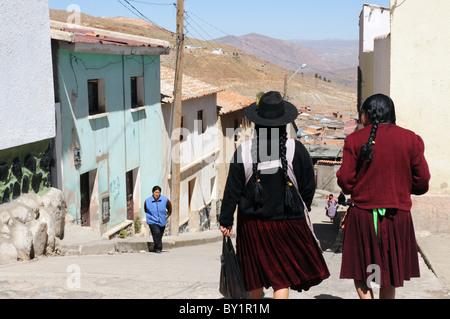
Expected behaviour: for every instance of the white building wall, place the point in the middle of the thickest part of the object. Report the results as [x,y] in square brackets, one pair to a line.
[374,21]
[27,111]
[197,145]
[198,155]
[420,82]
[382,65]
[198,158]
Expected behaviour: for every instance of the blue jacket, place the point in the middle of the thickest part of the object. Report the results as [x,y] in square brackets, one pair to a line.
[155,211]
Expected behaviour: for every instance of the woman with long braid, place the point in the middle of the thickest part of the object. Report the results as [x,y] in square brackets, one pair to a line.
[271,180]
[382,165]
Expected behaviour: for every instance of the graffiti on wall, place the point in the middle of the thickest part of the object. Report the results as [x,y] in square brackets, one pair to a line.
[114,187]
[21,176]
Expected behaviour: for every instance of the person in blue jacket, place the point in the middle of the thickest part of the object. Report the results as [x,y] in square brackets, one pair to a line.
[157,209]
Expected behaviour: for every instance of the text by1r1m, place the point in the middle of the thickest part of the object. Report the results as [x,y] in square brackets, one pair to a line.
[227,308]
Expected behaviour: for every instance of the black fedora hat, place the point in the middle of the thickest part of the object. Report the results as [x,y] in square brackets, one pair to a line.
[271,110]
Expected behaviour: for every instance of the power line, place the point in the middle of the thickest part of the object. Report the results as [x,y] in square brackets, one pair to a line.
[153,3]
[189,15]
[136,11]
[195,40]
[218,44]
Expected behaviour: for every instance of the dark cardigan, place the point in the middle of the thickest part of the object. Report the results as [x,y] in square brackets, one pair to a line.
[273,208]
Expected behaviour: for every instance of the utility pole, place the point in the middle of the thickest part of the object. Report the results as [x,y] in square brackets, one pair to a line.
[175,175]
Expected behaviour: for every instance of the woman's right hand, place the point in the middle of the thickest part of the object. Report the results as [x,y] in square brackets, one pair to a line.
[226,231]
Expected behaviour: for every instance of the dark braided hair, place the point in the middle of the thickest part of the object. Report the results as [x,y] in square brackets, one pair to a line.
[288,192]
[378,108]
[258,192]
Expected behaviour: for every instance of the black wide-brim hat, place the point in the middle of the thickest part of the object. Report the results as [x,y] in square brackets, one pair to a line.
[271,110]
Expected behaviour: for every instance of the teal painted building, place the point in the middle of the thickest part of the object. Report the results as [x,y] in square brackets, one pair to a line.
[109,123]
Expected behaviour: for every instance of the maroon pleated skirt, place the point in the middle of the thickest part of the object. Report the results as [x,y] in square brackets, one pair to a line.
[279,254]
[389,259]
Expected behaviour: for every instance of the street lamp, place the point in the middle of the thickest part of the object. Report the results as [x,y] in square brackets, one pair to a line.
[286,82]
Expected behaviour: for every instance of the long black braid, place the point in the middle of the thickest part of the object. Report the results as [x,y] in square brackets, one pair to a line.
[288,192]
[258,192]
[378,108]
[367,149]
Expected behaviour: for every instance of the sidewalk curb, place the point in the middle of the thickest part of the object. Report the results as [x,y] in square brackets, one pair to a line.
[134,245]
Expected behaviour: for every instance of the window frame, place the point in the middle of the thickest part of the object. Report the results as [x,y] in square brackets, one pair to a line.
[97,105]
[137,92]
[201,117]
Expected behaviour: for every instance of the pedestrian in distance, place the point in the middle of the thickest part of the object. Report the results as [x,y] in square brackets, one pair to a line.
[382,165]
[271,181]
[157,209]
[331,208]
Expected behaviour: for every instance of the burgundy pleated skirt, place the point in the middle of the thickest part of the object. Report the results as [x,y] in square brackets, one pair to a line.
[279,254]
[391,258]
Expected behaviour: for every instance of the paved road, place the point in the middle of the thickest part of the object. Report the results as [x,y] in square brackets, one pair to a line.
[178,273]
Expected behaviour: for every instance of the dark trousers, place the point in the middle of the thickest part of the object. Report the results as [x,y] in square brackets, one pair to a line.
[157,234]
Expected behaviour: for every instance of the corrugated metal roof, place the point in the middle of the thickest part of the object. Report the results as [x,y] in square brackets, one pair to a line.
[81,34]
[229,102]
[329,151]
[86,36]
[192,88]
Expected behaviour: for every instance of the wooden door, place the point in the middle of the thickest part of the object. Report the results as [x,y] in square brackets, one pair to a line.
[130,200]
[85,199]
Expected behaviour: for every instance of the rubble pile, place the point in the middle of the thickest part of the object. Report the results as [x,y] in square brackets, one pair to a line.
[31,225]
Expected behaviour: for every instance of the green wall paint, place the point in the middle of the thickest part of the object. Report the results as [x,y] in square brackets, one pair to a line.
[116,143]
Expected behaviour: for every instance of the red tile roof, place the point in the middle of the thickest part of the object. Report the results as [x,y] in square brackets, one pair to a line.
[230,102]
[192,88]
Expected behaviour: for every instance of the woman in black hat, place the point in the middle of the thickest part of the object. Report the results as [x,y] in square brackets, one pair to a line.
[271,179]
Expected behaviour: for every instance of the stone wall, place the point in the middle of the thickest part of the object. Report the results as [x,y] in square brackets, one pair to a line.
[31,225]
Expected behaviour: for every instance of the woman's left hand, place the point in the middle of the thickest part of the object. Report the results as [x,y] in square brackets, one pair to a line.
[226,231]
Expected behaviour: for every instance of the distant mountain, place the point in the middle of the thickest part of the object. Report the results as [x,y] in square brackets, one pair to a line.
[291,55]
[342,51]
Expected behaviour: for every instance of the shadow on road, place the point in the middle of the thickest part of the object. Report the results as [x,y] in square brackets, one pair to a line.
[326,234]
[327,296]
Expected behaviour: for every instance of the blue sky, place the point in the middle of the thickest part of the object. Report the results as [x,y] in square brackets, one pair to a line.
[209,19]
